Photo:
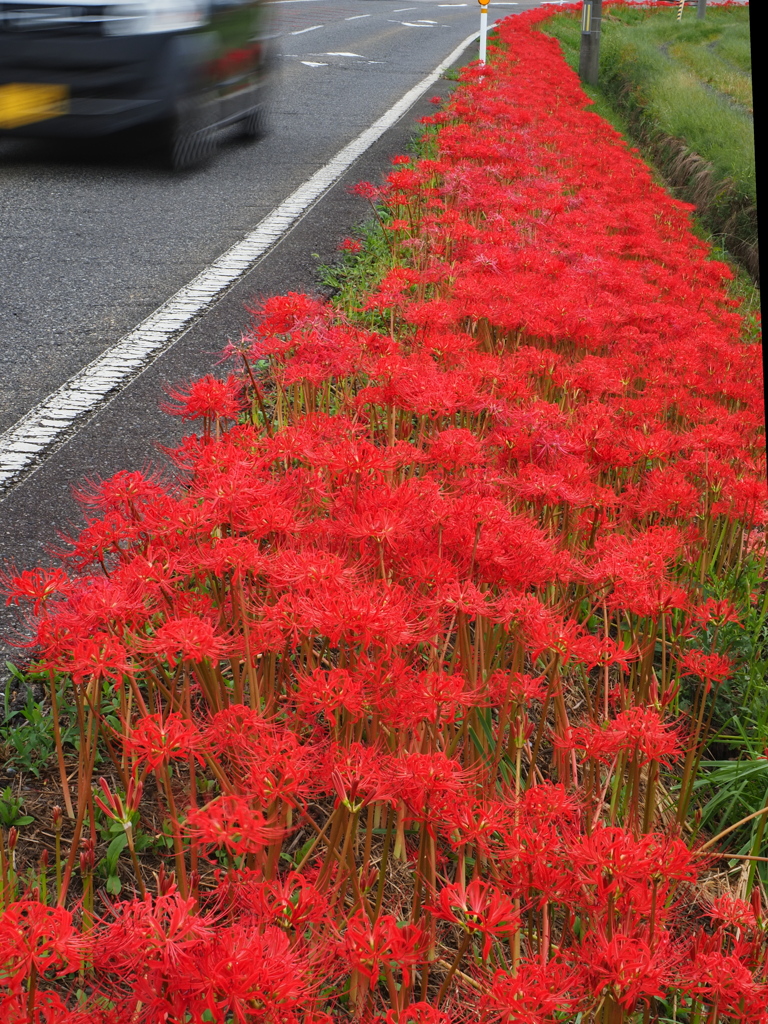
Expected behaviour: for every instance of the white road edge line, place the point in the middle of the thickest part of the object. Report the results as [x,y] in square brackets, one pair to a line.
[25,445]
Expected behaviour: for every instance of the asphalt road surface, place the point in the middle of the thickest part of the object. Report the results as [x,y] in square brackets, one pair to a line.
[94,238]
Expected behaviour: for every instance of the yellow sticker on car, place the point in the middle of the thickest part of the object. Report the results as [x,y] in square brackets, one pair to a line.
[26,102]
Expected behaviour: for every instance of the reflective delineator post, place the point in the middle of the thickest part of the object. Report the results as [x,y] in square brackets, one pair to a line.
[680,10]
[483,30]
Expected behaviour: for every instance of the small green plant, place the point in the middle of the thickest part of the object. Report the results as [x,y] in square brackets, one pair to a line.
[27,735]
[12,810]
[359,270]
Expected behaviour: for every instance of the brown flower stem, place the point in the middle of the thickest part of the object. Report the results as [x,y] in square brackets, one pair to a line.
[453,968]
[59,749]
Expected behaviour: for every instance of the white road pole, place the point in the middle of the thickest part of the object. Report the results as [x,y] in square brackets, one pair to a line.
[483,30]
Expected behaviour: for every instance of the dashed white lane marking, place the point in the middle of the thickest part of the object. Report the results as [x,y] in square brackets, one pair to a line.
[426,21]
[301,31]
[355,17]
[401,10]
[24,447]
[409,24]
[313,64]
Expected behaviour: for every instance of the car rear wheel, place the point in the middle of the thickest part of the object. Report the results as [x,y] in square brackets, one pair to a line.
[255,124]
[188,140]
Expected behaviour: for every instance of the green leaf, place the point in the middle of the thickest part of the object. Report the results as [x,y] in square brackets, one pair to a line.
[302,851]
[114,885]
[25,819]
[115,848]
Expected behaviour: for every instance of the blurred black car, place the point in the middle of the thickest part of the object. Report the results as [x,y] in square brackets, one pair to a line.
[179,69]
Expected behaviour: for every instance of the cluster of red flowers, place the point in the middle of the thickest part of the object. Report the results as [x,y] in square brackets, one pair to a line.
[414,644]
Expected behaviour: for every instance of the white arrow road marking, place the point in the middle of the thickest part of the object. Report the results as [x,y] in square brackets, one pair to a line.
[25,445]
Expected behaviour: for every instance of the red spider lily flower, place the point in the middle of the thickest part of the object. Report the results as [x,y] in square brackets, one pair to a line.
[360,775]
[710,668]
[350,245]
[603,651]
[270,756]
[35,586]
[283,769]
[187,638]
[611,861]
[425,781]
[517,688]
[639,732]
[98,657]
[159,936]
[128,493]
[429,697]
[33,936]
[366,190]
[370,947]
[627,966]
[481,823]
[716,612]
[231,823]
[327,692]
[49,1008]
[723,980]
[235,730]
[292,902]
[535,994]
[480,909]
[247,975]
[281,314]
[549,804]
[208,398]
[729,912]
[155,740]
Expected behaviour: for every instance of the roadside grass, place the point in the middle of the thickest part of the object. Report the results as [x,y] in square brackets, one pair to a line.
[683,91]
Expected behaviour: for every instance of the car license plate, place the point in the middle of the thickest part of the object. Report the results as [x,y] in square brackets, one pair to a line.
[25,102]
